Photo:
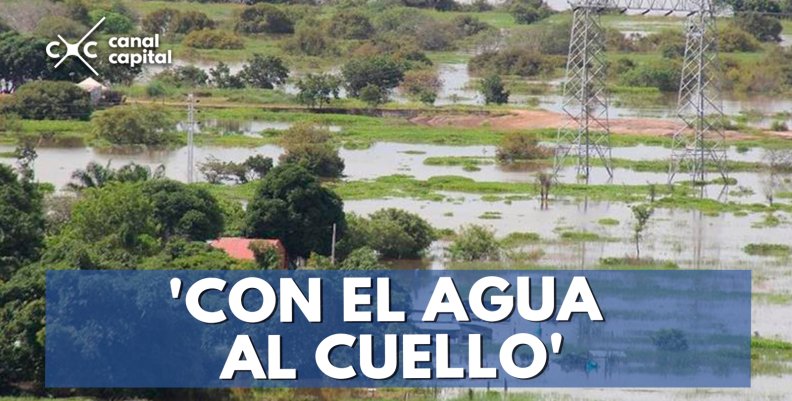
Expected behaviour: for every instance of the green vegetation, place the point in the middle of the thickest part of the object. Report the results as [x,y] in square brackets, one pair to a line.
[770,356]
[312,148]
[608,221]
[474,242]
[290,204]
[580,236]
[49,100]
[134,125]
[778,250]
[392,233]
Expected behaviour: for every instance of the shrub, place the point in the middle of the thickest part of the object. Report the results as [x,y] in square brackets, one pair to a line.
[779,126]
[731,38]
[517,146]
[170,21]
[187,75]
[670,43]
[156,88]
[528,11]
[50,100]
[762,27]
[422,85]
[189,21]
[267,255]
[363,258]
[662,75]
[474,242]
[379,71]
[222,77]
[133,125]
[310,41]
[54,25]
[212,39]
[373,95]
[468,25]
[312,148]
[161,21]
[493,90]
[316,90]
[264,71]
[115,23]
[399,234]
[349,24]
[512,61]
[263,18]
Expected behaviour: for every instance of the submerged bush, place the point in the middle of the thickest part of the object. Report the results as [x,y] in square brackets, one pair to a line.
[134,125]
[517,146]
[475,242]
[767,249]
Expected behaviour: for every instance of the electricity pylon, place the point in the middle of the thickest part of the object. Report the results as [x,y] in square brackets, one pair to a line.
[190,137]
[700,143]
[586,133]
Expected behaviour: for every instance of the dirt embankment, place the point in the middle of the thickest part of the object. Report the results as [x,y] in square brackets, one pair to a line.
[538,119]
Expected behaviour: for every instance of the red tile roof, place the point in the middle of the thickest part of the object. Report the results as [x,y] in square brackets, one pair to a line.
[239,248]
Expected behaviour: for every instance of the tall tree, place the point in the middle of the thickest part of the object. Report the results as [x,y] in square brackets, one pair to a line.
[291,205]
[183,210]
[21,222]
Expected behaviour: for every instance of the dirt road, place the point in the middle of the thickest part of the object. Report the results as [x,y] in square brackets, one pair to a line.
[538,119]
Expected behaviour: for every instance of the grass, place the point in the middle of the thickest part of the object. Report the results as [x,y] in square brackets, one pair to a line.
[489,215]
[679,196]
[770,356]
[773,298]
[607,221]
[628,263]
[519,238]
[777,250]
[458,161]
[581,236]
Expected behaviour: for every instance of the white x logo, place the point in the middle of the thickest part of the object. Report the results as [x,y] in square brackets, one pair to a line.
[74,49]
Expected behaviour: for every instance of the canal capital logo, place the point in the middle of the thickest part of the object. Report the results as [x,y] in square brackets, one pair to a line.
[142,50]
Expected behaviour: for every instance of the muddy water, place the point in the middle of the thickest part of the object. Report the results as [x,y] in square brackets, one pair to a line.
[55,165]
[687,238]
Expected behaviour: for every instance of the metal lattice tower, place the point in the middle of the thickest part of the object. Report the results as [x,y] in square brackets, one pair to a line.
[586,134]
[190,137]
[701,142]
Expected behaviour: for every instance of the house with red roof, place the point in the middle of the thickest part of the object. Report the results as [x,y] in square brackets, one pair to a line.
[240,248]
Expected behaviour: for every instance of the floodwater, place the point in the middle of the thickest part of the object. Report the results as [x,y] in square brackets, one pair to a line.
[459,87]
[55,165]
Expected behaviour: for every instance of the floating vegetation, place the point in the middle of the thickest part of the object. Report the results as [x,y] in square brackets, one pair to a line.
[777,250]
[635,263]
[582,236]
[519,238]
[490,215]
[607,221]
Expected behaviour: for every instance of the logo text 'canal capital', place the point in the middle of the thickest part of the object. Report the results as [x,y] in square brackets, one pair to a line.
[140,50]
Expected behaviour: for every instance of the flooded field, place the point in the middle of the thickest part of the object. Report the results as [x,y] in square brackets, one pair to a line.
[55,165]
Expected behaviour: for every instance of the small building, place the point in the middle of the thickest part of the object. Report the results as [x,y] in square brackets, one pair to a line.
[239,248]
[94,88]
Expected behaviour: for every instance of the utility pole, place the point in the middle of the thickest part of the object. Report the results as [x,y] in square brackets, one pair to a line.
[190,135]
[332,247]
